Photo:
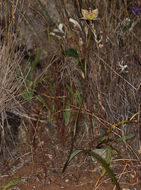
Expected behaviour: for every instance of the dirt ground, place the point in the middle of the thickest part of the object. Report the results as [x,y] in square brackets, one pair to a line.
[39,166]
[43,170]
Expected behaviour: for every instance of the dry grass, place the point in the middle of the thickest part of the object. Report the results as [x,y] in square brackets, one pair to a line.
[10,84]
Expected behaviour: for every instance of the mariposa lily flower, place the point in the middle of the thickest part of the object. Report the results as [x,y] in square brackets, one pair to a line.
[89,14]
[76,24]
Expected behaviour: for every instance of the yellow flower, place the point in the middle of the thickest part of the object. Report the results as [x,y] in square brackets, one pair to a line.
[89,15]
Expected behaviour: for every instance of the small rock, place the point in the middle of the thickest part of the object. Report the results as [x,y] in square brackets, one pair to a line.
[15,188]
[67,180]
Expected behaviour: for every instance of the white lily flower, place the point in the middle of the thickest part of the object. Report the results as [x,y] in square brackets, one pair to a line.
[56,30]
[54,34]
[59,32]
[60,27]
[122,67]
[75,23]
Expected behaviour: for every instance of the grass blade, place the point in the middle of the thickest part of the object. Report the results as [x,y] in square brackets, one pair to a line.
[42,100]
[76,95]
[99,159]
[128,137]
[33,67]
[67,113]
[70,53]
[45,13]
[11,183]
[105,166]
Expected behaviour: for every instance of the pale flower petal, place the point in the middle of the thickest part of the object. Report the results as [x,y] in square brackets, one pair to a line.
[75,23]
[60,27]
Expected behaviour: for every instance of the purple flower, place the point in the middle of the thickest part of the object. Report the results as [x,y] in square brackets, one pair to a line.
[136,10]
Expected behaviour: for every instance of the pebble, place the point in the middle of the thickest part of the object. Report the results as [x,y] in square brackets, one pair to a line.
[67,180]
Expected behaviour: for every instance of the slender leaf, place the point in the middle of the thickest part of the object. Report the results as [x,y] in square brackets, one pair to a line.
[52,114]
[109,153]
[76,95]
[42,100]
[33,66]
[74,128]
[73,154]
[70,53]
[86,127]
[45,13]
[105,166]
[52,87]
[11,183]
[26,69]
[131,135]
[29,88]
[67,113]
[100,159]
